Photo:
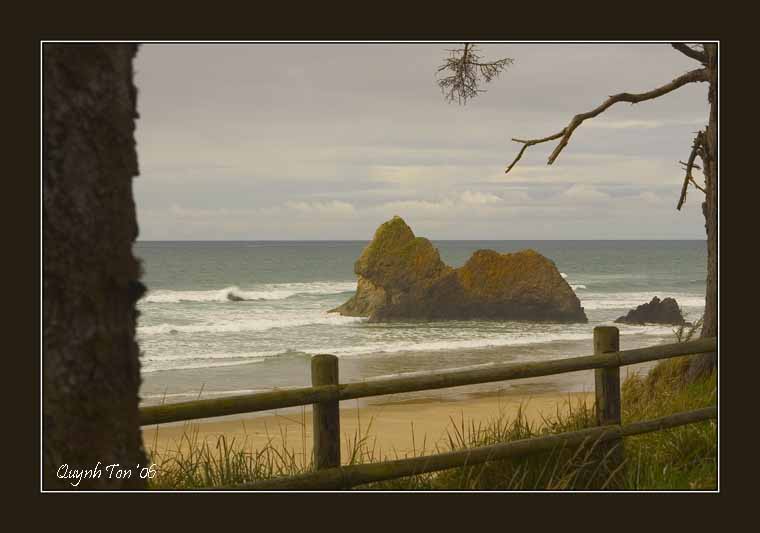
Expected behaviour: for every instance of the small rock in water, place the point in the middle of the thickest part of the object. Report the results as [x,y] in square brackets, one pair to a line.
[234,297]
[655,312]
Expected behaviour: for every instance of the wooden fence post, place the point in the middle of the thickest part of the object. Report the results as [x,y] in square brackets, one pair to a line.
[607,387]
[326,415]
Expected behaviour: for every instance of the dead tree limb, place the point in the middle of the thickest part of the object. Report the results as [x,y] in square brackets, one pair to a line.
[691,52]
[696,148]
[692,76]
[467,70]
[527,143]
[694,165]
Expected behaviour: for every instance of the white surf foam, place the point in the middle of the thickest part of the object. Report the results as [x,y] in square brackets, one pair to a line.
[492,341]
[158,367]
[213,356]
[278,291]
[203,394]
[517,338]
[574,286]
[249,324]
[203,360]
[630,300]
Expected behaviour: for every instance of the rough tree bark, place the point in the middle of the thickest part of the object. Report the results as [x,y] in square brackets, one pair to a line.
[90,277]
[704,364]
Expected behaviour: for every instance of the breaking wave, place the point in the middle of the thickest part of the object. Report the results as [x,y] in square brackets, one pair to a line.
[517,338]
[279,291]
[629,300]
[248,324]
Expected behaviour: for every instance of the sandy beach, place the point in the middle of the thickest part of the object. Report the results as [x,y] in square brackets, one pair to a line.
[393,428]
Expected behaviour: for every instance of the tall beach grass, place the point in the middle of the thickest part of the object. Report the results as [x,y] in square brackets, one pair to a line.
[680,458]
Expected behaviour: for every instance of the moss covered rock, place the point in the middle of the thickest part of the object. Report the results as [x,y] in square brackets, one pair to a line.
[396,258]
[368,297]
[402,277]
[518,285]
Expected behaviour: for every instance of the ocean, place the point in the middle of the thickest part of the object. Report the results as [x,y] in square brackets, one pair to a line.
[195,342]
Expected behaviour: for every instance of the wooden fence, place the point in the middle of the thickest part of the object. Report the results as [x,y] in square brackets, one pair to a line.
[326,392]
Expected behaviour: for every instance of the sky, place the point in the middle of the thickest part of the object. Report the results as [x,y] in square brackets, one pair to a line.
[324,141]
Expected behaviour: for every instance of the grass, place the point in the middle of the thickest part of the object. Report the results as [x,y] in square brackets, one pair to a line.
[678,458]
[196,463]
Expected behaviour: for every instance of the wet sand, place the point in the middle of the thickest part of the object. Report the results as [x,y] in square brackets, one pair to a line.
[392,428]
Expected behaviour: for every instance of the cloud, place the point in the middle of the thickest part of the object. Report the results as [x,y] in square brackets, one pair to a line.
[465,205]
[296,141]
[334,208]
[480,198]
[329,209]
[623,124]
[585,194]
[610,124]
[651,198]
[514,196]
[418,207]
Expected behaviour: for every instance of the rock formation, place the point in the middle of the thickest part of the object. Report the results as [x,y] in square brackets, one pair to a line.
[402,277]
[655,312]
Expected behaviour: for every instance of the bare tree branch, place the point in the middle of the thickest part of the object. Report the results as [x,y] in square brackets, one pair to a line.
[694,165]
[467,70]
[527,143]
[698,186]
[692,76]
[691,52]
[696,147]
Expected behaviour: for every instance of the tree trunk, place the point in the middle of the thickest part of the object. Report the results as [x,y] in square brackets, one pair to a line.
[704,364]
[91,368]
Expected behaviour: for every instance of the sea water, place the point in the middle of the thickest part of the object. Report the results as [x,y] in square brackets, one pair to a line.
[196,342]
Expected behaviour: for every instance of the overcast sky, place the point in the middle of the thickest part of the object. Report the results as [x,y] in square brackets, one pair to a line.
[326,141]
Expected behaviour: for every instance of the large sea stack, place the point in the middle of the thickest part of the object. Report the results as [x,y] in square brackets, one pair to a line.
[402,277]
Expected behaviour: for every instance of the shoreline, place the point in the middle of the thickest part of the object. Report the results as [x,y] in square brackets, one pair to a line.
[294,371]
[392,428]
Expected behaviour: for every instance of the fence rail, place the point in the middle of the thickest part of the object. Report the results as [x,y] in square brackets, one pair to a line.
[279,399]
[327,392]
[350,476]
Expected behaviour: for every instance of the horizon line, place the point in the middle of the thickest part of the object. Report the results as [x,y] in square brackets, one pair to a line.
[431,239]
